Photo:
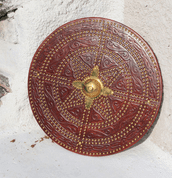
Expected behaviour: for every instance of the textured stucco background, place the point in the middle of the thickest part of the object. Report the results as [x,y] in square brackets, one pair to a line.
[24,24]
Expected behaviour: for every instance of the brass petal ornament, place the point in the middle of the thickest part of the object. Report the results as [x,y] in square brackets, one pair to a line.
[92,87]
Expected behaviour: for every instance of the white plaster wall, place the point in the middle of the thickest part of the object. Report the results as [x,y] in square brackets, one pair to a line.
[21,34]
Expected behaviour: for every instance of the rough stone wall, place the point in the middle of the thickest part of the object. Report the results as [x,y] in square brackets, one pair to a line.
[25,152]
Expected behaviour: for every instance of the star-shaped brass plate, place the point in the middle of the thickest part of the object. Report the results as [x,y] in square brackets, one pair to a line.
[92,87]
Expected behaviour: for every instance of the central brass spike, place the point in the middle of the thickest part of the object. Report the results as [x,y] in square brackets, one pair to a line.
[92,87]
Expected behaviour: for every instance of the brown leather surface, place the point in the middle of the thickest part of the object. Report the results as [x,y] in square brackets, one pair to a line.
[127,66]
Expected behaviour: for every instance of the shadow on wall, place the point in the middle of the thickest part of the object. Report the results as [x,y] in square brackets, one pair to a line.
[4,86]
[4,10]
[152,20]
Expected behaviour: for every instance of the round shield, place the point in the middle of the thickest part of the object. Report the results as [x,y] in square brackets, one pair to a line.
[95,86]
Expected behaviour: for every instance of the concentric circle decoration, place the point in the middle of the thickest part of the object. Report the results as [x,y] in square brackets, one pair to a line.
[95,86]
